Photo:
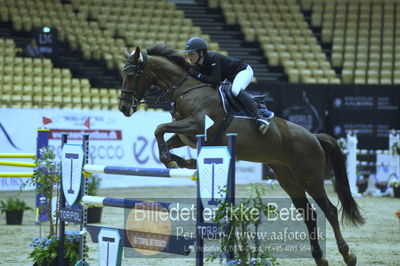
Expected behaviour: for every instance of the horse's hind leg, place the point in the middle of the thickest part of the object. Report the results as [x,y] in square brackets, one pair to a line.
[310,174]
[297,194]
[318,193]
[310,219]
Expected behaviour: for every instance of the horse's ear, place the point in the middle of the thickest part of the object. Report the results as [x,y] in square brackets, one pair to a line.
[136,55]
[126,54]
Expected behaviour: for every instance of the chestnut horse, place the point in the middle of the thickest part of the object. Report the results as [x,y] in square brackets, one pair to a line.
[300,159]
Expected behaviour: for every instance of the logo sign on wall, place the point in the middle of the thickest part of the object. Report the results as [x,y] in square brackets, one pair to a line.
[300,109]
[72,163]
[46,39]
[213,169]
[371,111]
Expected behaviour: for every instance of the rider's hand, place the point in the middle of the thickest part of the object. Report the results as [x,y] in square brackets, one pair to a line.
[194,73]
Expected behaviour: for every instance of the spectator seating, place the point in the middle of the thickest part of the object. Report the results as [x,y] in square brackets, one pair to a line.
[365,37]
[27,82]
[363,34]
[286,38]
[103,29]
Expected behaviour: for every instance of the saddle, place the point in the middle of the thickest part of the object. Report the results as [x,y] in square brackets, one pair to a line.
[233,106]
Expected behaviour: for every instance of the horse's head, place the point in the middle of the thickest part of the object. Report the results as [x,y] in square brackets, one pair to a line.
[135,82]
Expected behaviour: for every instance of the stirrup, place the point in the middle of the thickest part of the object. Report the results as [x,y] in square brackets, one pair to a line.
[270,116]
[263,125]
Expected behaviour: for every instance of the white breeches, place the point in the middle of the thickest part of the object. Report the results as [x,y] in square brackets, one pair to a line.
[242,80]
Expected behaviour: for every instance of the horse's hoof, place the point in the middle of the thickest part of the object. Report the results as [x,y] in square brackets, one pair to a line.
[322,262]
[351,259]
[191,163]
[172,164]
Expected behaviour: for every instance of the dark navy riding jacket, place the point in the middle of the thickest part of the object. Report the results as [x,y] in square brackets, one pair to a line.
[217,67]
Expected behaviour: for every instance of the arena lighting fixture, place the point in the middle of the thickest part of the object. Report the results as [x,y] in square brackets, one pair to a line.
[46,29]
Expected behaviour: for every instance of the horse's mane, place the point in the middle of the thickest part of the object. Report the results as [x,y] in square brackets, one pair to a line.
[170,54]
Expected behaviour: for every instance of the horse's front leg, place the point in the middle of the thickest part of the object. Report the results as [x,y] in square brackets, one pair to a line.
[176,142]
[185,126]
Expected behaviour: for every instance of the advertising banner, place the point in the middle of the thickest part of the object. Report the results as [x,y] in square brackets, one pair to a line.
[270,93]
[371,111]
[114,140]
[303,104]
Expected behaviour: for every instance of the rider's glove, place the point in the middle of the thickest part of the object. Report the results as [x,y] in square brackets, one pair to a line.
[194,73]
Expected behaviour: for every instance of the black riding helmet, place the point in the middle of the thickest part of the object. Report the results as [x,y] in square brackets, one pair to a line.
[195,44]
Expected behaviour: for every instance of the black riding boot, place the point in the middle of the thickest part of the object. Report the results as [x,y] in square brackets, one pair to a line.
[251,107]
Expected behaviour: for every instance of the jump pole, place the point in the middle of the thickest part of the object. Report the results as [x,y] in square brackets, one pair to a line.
[138,171]
[17,155]
[131,204]
[19,164]
[16,175]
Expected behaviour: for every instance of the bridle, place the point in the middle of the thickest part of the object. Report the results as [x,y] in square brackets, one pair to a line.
[133,71]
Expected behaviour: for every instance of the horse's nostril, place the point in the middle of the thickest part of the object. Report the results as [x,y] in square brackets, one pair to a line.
[123,109]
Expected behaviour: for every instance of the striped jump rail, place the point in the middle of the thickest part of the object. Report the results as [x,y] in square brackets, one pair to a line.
[134,204]
[2,175]
[372,164]
[20,164]
[17,155]
[369,152]
[138,171]
[372,152]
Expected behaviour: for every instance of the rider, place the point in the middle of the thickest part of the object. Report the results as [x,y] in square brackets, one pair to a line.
[213,68]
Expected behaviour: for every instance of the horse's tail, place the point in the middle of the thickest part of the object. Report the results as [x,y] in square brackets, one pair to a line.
[335,161]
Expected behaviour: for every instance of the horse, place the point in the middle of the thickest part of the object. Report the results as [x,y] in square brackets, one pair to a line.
[300,159]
